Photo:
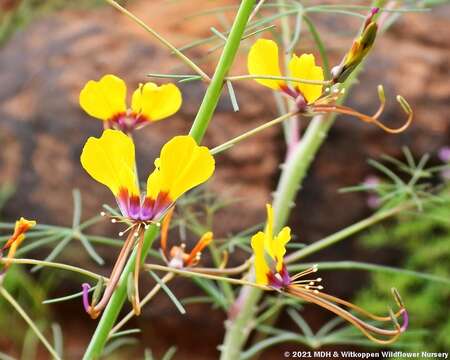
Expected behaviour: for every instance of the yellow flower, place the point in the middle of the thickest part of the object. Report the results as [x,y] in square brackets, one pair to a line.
[267,246]
[309,97]
[106,100]
[263,60]
[21,227]
[181,166]
[110,160]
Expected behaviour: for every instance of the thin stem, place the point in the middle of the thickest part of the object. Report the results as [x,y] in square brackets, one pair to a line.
[229,271]
[286,78]
[166,43]
[232,142]
[55,265]
[198,130]
[30,322]
[293,173]
[117,300]
[137,270]
[214,90]
[256,9]
[145,300]
[116,272]
[189,273]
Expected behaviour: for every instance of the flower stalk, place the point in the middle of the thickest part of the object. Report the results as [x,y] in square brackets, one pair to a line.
[201,122]
[212,95]
[7,296]
[293,172]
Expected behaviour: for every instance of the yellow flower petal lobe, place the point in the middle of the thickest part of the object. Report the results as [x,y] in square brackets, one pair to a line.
[105,98]
[110,160]
[263,60]
[279,246]
[181,166]
[304,67]
[156,102]
[261,267]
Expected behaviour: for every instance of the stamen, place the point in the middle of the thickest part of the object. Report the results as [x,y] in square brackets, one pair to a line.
[121,233]
[367,329]
[102,213]
[137,266]
[308,271]
[324,106]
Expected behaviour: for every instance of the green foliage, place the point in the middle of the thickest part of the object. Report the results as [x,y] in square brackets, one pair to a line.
[423,240]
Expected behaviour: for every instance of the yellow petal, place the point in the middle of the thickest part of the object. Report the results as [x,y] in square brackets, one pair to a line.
[279,246]
[105,98]
[110,160]
[182,165]
[263,60]
[261,267]
[154,184]
[156,102]
[304,67]
[268,232]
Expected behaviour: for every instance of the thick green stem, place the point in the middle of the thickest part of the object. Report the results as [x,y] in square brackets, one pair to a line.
[293,172]
[117,300]
[198,130]
[214,90]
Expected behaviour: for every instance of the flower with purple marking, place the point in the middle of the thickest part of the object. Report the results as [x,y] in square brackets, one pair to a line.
[105,100]
[110,160]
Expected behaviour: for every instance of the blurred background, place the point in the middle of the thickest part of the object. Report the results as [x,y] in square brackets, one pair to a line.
[49,50]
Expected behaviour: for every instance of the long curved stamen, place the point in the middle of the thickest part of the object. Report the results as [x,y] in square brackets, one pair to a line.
[137,267]
[359,309]
[308,271]
[374,118]
[94,311]
[365,328]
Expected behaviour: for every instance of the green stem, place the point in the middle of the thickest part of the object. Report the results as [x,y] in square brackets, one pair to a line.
[292,175]
[166,43]
[285,78]
[198,130]
[296,167]
[228,144]
[54,265]
[117,300]
[293,172]
[30,322]
[214,89]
